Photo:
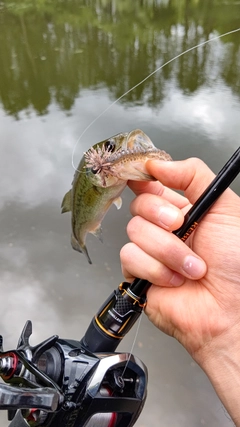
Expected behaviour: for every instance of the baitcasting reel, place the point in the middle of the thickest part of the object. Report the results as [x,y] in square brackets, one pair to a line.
[59,383]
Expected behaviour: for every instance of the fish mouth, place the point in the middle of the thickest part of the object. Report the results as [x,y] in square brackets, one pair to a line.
[135,141]
[127,163]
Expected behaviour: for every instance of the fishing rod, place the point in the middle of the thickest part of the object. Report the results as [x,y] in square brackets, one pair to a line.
[70,383]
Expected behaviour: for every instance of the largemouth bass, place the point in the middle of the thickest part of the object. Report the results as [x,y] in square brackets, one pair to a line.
[100,178]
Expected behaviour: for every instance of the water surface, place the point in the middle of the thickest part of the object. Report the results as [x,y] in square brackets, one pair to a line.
[61,65]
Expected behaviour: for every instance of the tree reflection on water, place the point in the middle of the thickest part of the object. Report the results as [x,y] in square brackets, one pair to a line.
[51,51]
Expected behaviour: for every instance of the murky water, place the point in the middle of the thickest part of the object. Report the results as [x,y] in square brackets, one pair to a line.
[61,65]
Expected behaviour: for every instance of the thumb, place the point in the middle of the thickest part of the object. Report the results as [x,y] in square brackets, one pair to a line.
[191,176]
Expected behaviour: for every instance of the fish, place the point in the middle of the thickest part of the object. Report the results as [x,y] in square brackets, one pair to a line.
[100,178]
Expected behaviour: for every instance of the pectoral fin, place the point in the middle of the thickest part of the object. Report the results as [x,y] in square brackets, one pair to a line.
[77,247]
[66,203]
[118,202]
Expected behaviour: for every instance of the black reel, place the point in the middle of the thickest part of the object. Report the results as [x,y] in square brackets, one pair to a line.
[59,383]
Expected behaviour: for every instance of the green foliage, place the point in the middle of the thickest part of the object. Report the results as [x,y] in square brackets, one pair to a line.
[52,49]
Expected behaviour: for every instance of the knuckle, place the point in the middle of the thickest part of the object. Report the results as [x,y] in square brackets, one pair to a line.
[196,162]
[124,253]
[156,272]
[137,205]
[133,226]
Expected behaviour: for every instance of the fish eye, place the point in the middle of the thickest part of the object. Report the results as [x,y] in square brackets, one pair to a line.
[95,170]
[110,145]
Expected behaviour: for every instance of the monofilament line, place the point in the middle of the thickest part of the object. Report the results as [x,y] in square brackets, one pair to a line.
[143,80]
[133,344]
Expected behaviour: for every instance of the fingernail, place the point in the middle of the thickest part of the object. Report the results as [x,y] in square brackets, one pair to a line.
[177,280]
[167,216]
[194,267]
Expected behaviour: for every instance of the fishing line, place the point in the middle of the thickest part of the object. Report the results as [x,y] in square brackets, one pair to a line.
[133,344]
[142,81]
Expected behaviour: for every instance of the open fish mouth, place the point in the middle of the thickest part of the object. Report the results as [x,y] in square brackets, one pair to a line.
[128,162]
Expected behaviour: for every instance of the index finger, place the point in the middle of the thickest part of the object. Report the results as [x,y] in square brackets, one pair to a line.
[157,188]
[191,176]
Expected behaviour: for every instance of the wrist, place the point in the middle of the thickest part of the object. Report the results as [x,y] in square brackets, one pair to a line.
[220,359]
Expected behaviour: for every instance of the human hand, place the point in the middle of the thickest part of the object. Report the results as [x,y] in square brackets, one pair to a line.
[195,295]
